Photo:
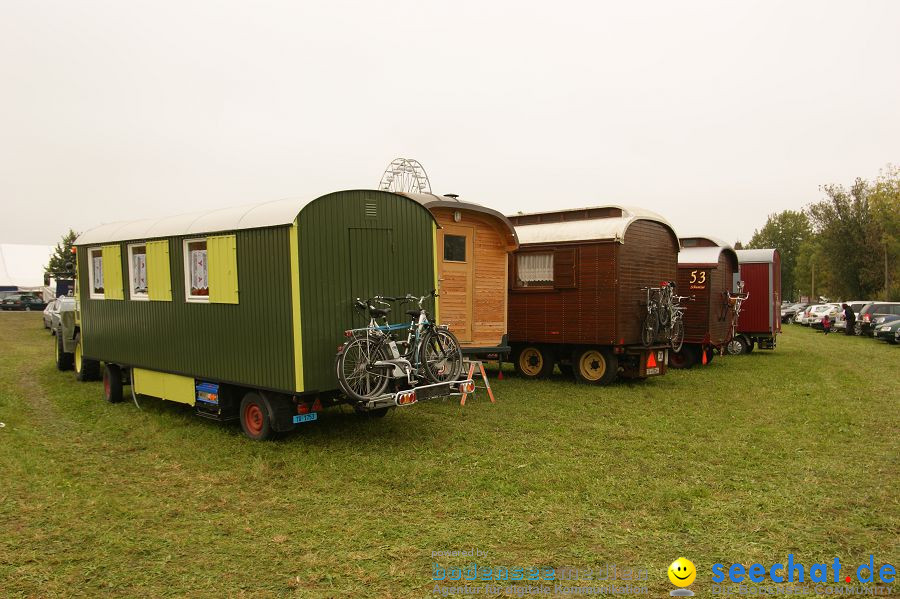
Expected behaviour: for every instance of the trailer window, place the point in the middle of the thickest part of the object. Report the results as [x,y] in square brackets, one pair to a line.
[95,272]
[454,248]
[196,270]
[137,272]
[534,269]
[210,269]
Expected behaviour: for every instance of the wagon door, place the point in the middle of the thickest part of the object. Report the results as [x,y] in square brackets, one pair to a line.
[371,258]
[456,273]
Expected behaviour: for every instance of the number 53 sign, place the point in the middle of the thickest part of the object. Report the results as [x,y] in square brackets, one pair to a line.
[698,279]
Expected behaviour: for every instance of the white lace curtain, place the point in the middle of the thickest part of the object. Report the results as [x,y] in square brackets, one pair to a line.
[98,273]
[199,273]
[535,268]
[139,272]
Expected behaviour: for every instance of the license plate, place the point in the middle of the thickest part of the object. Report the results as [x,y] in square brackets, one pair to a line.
[652,371]
[305,417]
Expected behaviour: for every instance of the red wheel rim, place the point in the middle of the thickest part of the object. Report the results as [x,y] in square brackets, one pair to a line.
[253,419]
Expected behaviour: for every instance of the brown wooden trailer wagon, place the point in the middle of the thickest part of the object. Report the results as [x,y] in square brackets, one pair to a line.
[473,244]
[706,274]
[576,296]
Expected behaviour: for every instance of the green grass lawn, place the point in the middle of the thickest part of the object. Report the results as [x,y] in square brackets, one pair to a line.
[746,460]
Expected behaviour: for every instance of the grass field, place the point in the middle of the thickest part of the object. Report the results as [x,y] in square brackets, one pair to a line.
[749,459]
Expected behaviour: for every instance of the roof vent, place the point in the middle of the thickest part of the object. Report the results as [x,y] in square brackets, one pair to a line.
[371,210]
[453,196]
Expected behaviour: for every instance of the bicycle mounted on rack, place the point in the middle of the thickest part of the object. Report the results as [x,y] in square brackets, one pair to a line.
[373,357]
[664,314]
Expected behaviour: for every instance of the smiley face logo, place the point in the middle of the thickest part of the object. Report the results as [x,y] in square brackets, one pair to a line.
[682,572]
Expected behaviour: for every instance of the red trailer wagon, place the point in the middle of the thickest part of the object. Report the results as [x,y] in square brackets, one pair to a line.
[760,318]
[575,292]
[706,273]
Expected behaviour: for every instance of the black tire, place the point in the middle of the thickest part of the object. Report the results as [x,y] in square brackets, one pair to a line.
[533,361]
[686,358]
[112,383]
[256,417]
[737,346]
[28,308]
[857,328]
[676,340]
[355,354]
[649,328]
[440,356]
[750,346]
[85,369]
[64,360]
[595,366]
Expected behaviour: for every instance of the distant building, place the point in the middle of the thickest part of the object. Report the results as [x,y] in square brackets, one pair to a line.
[22,268]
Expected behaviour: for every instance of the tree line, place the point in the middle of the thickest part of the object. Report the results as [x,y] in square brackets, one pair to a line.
[844,246]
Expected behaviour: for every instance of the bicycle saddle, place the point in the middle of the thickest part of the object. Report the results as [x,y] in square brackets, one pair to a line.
[413,313]
[379,312]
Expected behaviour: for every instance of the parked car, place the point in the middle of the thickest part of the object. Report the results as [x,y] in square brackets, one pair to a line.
[789,312]
[870,312]
[813,312]
[830,310]
[19,301]
[856,306]
[48,315]
[889,331]
[64,304]
[51,312]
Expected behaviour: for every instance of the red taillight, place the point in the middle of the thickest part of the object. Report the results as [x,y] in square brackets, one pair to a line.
[303,408]
[348,334]
[867,317]
[467,387]
[406,397]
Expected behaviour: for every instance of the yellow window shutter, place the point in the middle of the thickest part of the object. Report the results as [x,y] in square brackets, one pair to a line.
[159,280]
[112,273]
[221,259]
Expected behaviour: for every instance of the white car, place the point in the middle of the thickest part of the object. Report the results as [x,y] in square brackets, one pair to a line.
[830,310]
[856,306]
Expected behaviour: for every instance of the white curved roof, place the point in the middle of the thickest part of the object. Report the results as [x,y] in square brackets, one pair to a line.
[594,229]
[700,255]
[764,255]
[267,214]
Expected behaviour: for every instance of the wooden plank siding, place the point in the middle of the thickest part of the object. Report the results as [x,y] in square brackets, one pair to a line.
[707,318]
[606,305]
[648,257]
[488,318]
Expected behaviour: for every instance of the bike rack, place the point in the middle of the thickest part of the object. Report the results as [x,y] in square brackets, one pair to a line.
[408,397]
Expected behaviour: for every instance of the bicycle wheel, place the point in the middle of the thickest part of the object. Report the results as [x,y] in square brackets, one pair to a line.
[440,356]
[664,308]
[650,328]
[354,373]
[677,338]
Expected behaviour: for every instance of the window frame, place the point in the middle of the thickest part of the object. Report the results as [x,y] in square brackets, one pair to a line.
[132,294]
[186,256]
[465,239]
[516,279]
[90,258]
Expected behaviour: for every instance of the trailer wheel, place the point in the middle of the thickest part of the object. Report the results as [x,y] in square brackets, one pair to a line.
[255,417]
[85,368]
[595,366]
[112,383]
[750,346]
[684,359]
[534,362]
[63,360]
[737,346]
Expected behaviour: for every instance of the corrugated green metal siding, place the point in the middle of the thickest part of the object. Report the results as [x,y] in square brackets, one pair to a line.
[248,343]
[356,244]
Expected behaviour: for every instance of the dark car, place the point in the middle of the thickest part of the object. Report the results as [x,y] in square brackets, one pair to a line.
[888,331]
[870,312]
[23,302]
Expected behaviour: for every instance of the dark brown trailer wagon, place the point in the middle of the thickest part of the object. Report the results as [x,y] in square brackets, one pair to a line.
[706,274]
[473,246]
[576,296]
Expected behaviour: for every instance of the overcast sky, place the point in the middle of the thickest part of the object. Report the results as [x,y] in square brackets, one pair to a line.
[712,113]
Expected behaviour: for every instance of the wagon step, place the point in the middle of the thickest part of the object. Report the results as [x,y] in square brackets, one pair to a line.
[410,396]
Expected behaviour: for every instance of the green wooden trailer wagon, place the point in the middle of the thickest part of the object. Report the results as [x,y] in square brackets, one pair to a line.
[240,311]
